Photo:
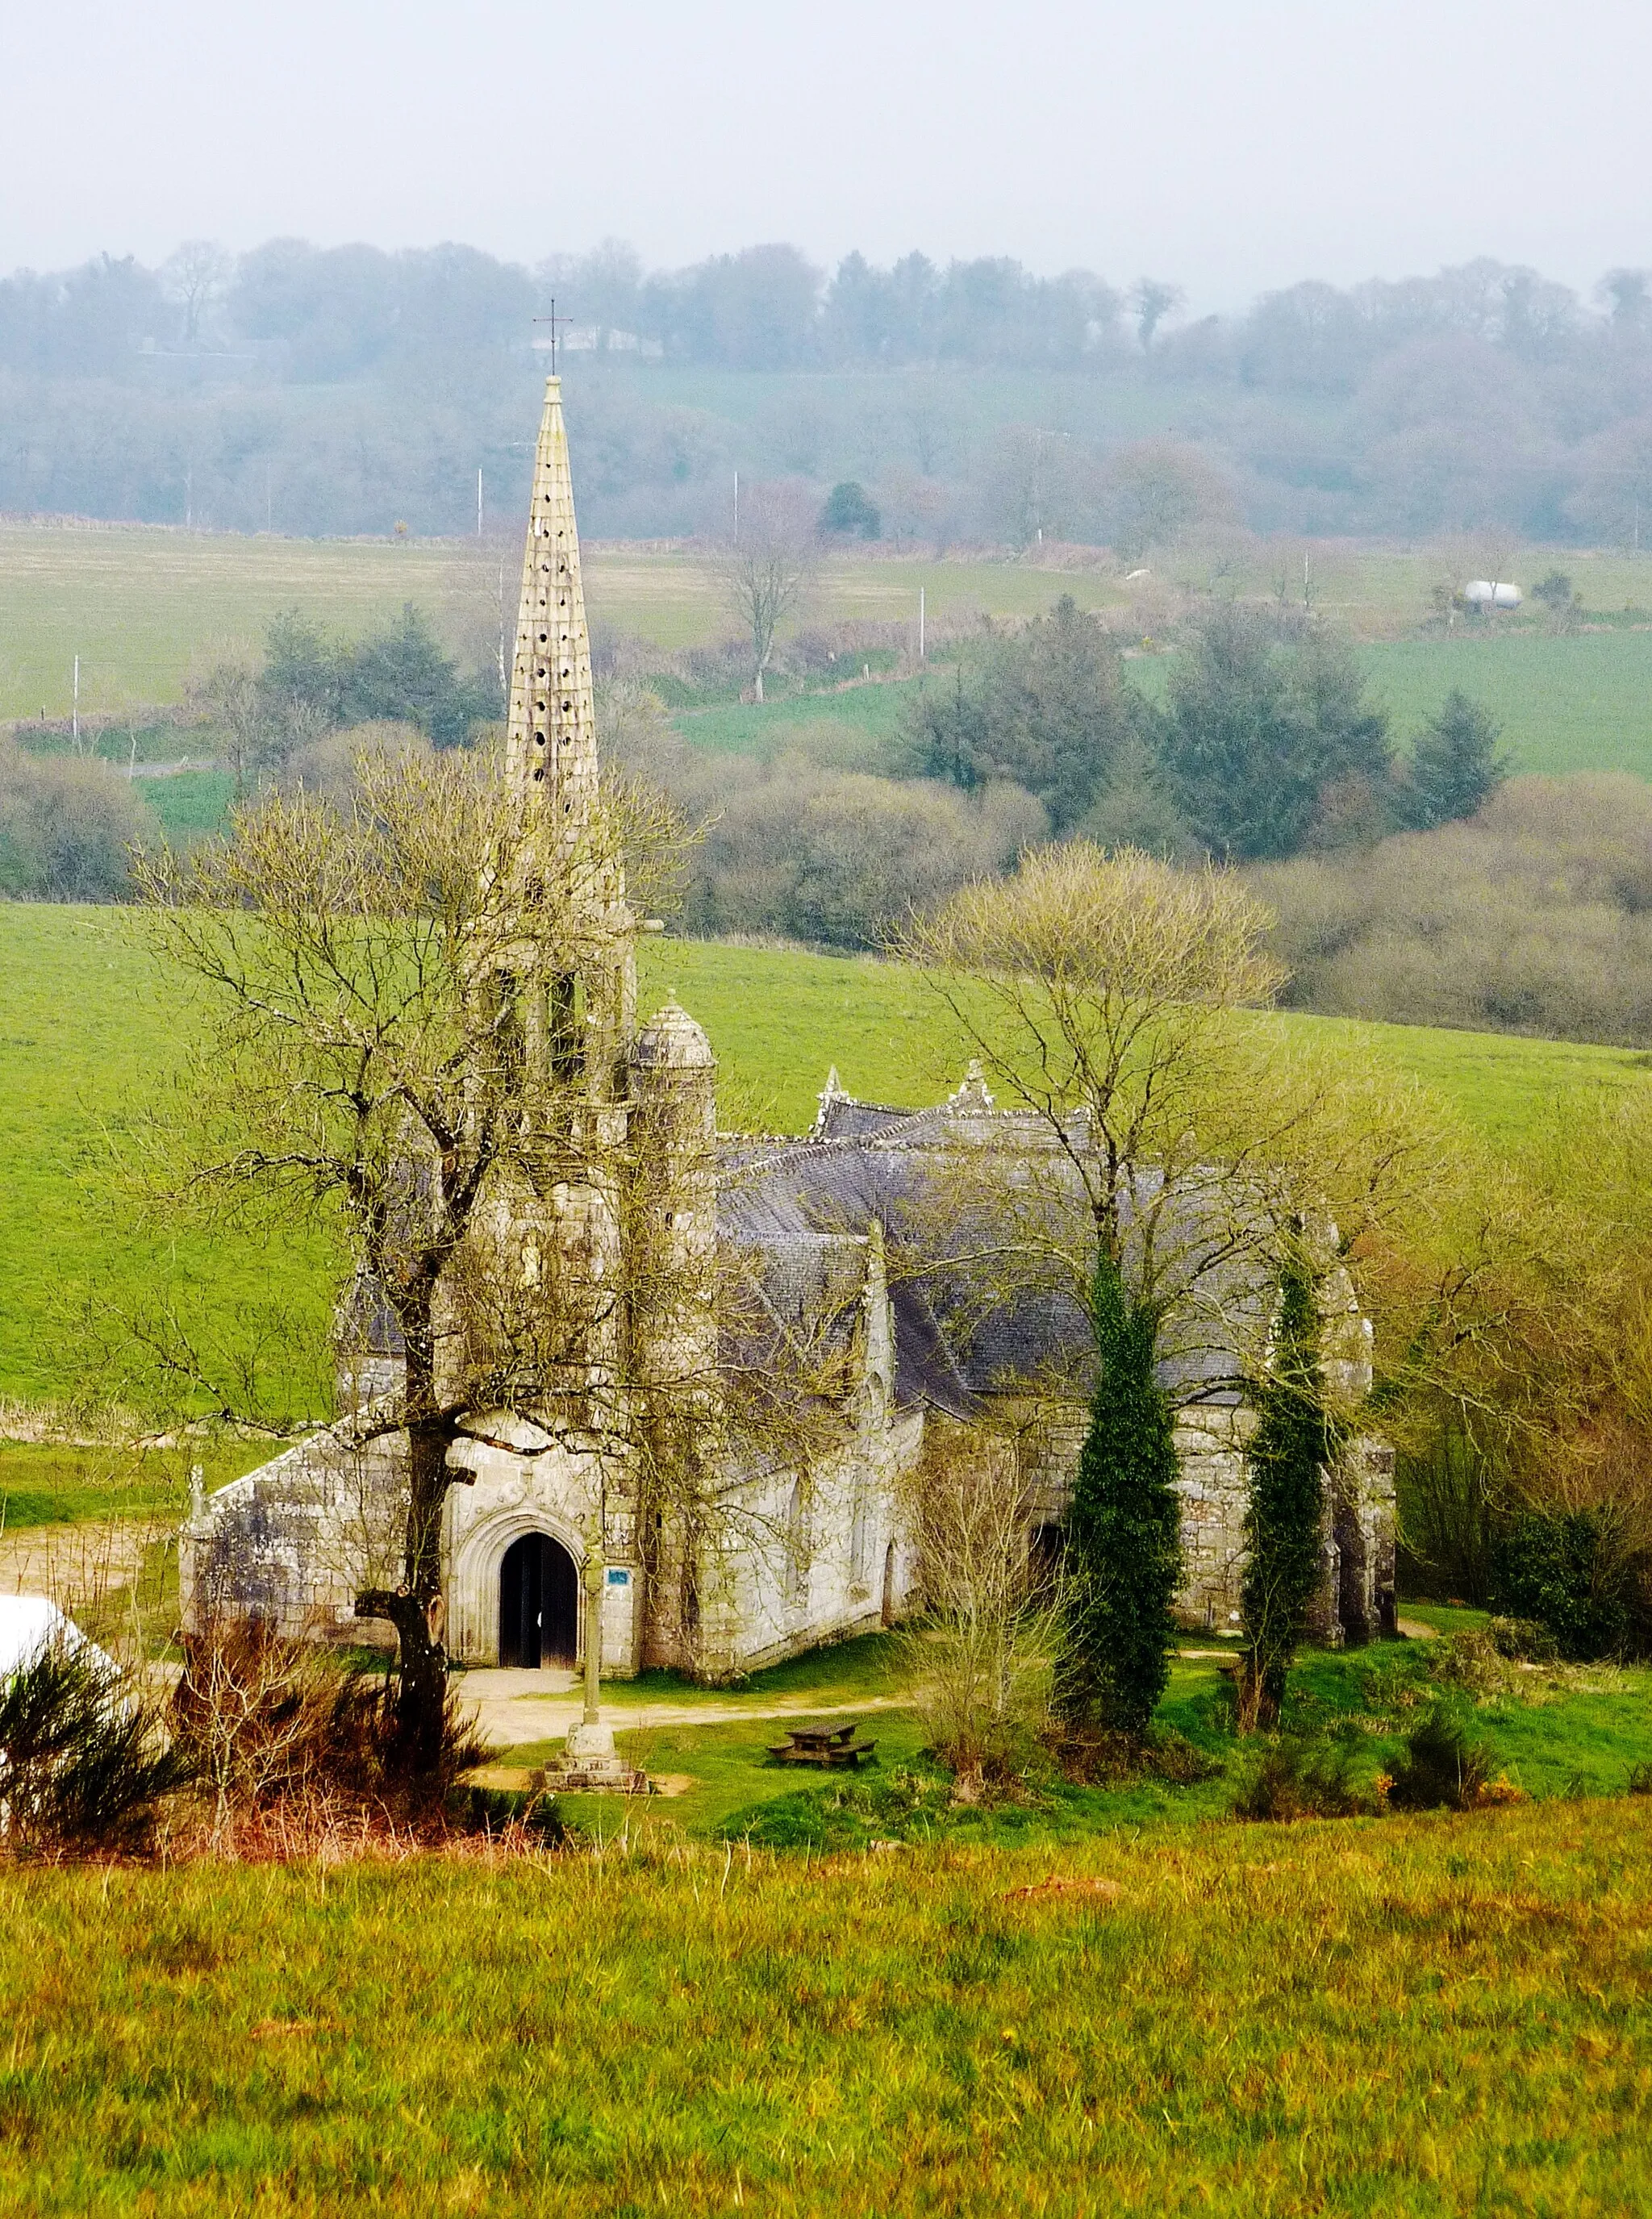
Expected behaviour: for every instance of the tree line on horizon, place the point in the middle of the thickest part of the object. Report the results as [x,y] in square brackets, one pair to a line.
[343,389]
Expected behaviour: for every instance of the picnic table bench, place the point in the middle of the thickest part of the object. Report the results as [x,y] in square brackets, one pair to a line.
[828,1747]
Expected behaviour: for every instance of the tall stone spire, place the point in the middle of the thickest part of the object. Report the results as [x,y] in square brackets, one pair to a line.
[551,738]
[577,1002]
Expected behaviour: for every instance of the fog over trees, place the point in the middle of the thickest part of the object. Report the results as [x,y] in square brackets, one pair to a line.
[348,389]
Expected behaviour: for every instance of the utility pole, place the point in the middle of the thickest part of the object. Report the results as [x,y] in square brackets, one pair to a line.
[736,508]
[479,504]
[920,624]
[75,709]
[189,498]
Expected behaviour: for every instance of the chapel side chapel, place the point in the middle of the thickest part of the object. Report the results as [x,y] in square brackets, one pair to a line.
[809,1535]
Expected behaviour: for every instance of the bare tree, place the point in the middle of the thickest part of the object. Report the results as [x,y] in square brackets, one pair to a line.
[1102,994]
[1153,300]
[194,277]
[260,730]
[765,571]
[361,1067]
[980,1662]
[1091,988]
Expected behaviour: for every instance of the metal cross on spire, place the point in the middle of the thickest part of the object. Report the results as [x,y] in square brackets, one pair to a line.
[552,320]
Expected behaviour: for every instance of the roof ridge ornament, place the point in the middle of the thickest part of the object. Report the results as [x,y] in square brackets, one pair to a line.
[974,1093]
[829,1095]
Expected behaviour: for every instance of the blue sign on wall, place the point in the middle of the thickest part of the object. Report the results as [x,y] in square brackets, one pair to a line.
[618,1576]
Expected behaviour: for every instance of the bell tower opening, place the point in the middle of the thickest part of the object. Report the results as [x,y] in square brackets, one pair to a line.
[538,1604]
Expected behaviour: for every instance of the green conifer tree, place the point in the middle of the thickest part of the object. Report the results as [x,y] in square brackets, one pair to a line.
[1294,1444]
[1124,1530]
[1455,764]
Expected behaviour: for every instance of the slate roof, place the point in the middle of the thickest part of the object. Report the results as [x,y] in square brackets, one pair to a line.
[801,1209]
[959,1334]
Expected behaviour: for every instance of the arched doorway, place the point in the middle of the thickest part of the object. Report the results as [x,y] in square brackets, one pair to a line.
[538,1604]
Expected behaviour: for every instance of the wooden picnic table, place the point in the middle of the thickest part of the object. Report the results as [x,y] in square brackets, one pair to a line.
[828,1747]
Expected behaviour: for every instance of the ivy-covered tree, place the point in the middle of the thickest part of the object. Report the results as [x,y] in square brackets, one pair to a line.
[1123,1538]
[1296,1442]
[1093,990]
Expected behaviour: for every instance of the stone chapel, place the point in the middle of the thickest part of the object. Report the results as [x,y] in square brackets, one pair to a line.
[808,1535]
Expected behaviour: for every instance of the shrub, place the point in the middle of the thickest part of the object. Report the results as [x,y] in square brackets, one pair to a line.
[1533,917]
[327,766]
[266,1720]
[67,826]
[1523,1640]
[1441,1768]
[1296,1779]
[849,1814]
[979,1664]
[82,1765]
[836,857]
[850,512]
[1566,1570]
[1094,1757]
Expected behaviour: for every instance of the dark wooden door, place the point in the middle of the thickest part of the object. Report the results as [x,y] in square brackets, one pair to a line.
[538,1604]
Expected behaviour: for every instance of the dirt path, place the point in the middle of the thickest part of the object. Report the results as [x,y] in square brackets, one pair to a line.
[513,1707]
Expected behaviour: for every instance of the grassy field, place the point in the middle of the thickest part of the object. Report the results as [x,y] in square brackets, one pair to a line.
[89,1028]
[1417,2017]
[144,605]
[55,1483]
[1582,702]
[88,1031]
[1569,1732]
[1569,703]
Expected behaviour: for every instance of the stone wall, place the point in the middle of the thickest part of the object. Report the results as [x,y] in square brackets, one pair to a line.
[294,1541]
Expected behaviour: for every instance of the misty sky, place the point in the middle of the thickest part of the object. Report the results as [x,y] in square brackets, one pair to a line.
[1229,144]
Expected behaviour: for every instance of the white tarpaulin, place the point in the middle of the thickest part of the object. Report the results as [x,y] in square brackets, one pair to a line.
[29,1624]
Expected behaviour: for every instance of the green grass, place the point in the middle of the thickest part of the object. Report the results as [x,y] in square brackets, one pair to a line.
[1411,2017]
[1568,704]
[58,1483]
[841,1672]
[1566,1738]
[89,1028]
[189,803]
[853,727]
[144,606]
